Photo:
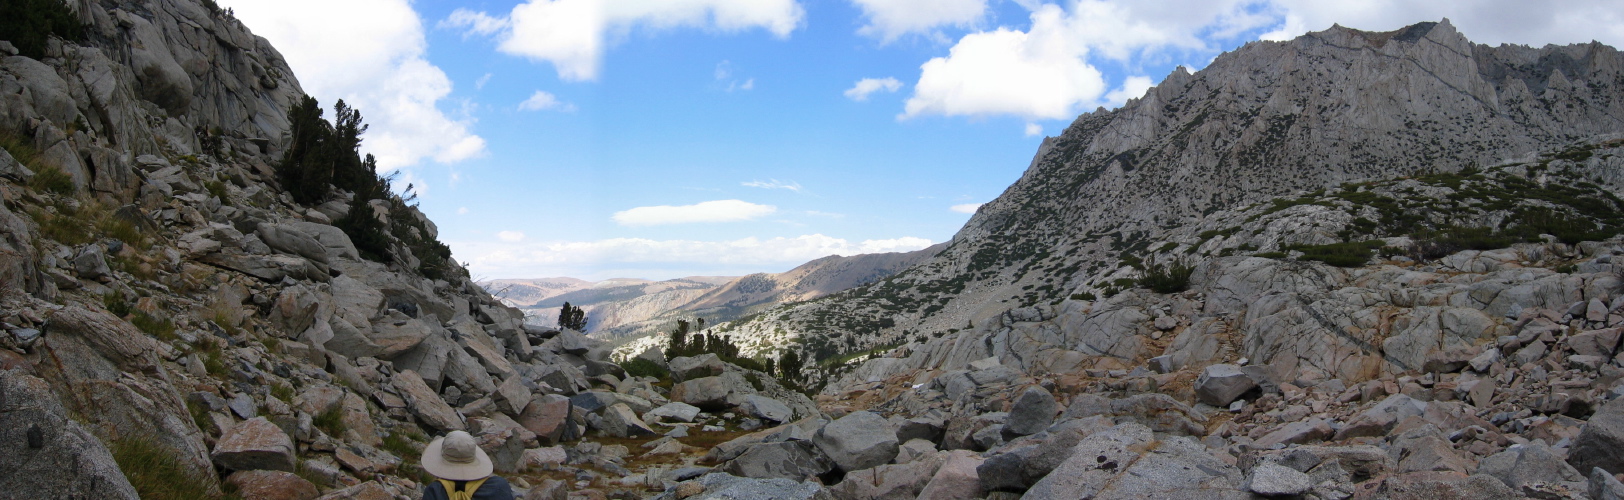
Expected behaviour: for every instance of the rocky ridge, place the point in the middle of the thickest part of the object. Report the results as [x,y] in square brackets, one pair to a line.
[174,325]
[1263,121]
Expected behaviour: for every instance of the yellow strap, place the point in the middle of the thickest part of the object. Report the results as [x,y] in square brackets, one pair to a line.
[468,489]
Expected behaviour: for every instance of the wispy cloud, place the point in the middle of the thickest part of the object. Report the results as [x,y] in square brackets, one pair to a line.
[543,101]
[966,208]
[773,184]
[510,236]
[860,91]
[725,80]
[710,211]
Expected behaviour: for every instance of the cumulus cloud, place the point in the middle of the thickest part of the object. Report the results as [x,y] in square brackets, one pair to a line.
[381,70]
[1132,88]
[774,184]
[966,208]
[572,35]
[861,90]
[543,101]
[1048,71]
[510,236]
[672,258]
[1034,130]
[709,211]
[891,19]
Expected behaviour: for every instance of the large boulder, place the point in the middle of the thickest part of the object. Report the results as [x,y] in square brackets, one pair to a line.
[692,367]
[1033,411]
[620,421]
[255,444]
[549,417]
[1221,384]
[857,441]
[1524,464]
[890,481]
[956,479]
[272,485]
[425,404]
[44,454]
[766,408]
[708,393]
[1601,440]
[1127,461]
[796,460]
[728,487]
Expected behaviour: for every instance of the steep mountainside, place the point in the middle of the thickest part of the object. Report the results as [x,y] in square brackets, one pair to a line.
[1265,120]
[206,293]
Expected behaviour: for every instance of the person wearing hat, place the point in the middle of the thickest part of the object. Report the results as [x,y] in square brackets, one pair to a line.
[461,470]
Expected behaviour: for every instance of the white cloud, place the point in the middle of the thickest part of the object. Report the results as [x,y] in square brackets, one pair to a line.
[510,236]
[473,23]
[891,19]
[1048,71]
[663,258]
[967,208]
[1132,88]
[381,70]
[861,90]
[462,210]
[543,101]
[1034,130]
[725,80]
[709,211]
[480,83]
[573,34]
[773,184]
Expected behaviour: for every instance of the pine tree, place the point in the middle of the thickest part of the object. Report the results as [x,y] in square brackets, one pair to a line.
[306,168]
[572,317]
[790,366]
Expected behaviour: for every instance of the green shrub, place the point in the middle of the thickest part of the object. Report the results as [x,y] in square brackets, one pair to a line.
[639,367]
[163,329]
[331,421]
[1272,255]
[1166,278]
[158,473]
[283,392]
[1353,254]
[50,179]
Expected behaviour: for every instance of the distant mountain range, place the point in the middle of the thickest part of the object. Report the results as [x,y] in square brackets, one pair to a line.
[622,308]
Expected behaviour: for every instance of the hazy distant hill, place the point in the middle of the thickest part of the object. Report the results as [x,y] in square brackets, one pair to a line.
[627,307]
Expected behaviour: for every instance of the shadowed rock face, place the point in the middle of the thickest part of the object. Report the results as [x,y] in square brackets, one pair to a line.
[1262,121]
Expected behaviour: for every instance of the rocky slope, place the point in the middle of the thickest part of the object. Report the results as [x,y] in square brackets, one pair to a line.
[174,325]
[1265,120]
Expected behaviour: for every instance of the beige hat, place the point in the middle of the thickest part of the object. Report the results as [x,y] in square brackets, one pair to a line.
[456,457]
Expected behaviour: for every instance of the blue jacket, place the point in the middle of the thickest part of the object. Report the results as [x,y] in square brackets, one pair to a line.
[494,488]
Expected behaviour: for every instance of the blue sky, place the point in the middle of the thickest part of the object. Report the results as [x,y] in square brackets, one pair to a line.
[667,138]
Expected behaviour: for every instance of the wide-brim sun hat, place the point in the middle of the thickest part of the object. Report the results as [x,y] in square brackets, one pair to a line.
[456,457]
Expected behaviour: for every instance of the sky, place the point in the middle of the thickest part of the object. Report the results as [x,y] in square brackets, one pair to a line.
[665,138]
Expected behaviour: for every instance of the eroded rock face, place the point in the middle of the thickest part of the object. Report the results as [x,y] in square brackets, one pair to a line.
[255,444]
[38,443]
